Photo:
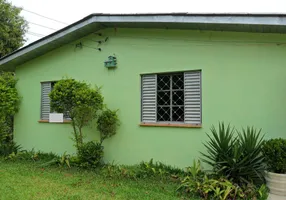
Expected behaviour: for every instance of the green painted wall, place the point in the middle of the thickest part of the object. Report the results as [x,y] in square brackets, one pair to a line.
[243,82]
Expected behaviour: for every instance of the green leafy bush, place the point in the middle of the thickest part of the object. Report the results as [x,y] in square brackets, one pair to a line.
[9,106]
[107,124]
[90,154]
[9,97]
[236,157]
[206,186]
[274,151]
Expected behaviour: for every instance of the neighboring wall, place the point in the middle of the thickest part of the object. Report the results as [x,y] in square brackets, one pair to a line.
[243,82]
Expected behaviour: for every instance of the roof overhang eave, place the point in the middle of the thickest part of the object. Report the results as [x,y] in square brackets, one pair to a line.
[93,23]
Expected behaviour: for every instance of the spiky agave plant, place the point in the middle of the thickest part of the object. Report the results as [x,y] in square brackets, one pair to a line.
[236,156]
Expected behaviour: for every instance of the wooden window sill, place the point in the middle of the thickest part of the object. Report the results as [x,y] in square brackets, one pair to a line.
[47,121]
[172,125]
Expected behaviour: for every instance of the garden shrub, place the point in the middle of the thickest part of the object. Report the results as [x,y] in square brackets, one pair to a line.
[90,154]
[236,157]
[274,151]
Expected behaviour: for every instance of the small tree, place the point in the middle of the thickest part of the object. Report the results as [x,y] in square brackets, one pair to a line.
[77,99]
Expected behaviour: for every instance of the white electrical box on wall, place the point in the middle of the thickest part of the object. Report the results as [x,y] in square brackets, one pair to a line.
[56,117]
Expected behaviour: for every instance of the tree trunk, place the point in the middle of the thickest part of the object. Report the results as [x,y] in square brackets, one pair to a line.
[80,135]
[75,134]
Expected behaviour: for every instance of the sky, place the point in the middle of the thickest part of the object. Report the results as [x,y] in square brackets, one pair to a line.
[69,11]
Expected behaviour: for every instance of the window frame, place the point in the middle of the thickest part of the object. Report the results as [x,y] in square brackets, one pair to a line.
[43,120]
[171,123]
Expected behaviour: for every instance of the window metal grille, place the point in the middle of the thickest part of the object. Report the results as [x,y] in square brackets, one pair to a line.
[170,98]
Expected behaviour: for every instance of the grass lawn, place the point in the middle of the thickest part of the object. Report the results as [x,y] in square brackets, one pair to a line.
[22,180]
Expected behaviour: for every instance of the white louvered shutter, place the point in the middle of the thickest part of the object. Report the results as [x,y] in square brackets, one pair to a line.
[148,98]
[45,100]
[192,97]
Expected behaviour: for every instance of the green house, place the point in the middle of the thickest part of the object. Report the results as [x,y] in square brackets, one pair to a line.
[170,75]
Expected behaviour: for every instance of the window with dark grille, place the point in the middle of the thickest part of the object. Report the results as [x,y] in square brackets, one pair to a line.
[171,98]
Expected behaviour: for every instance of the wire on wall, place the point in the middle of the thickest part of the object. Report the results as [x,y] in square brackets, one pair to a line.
[98,41]
[80,45]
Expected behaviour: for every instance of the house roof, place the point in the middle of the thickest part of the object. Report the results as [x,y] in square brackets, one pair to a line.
[240,22]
